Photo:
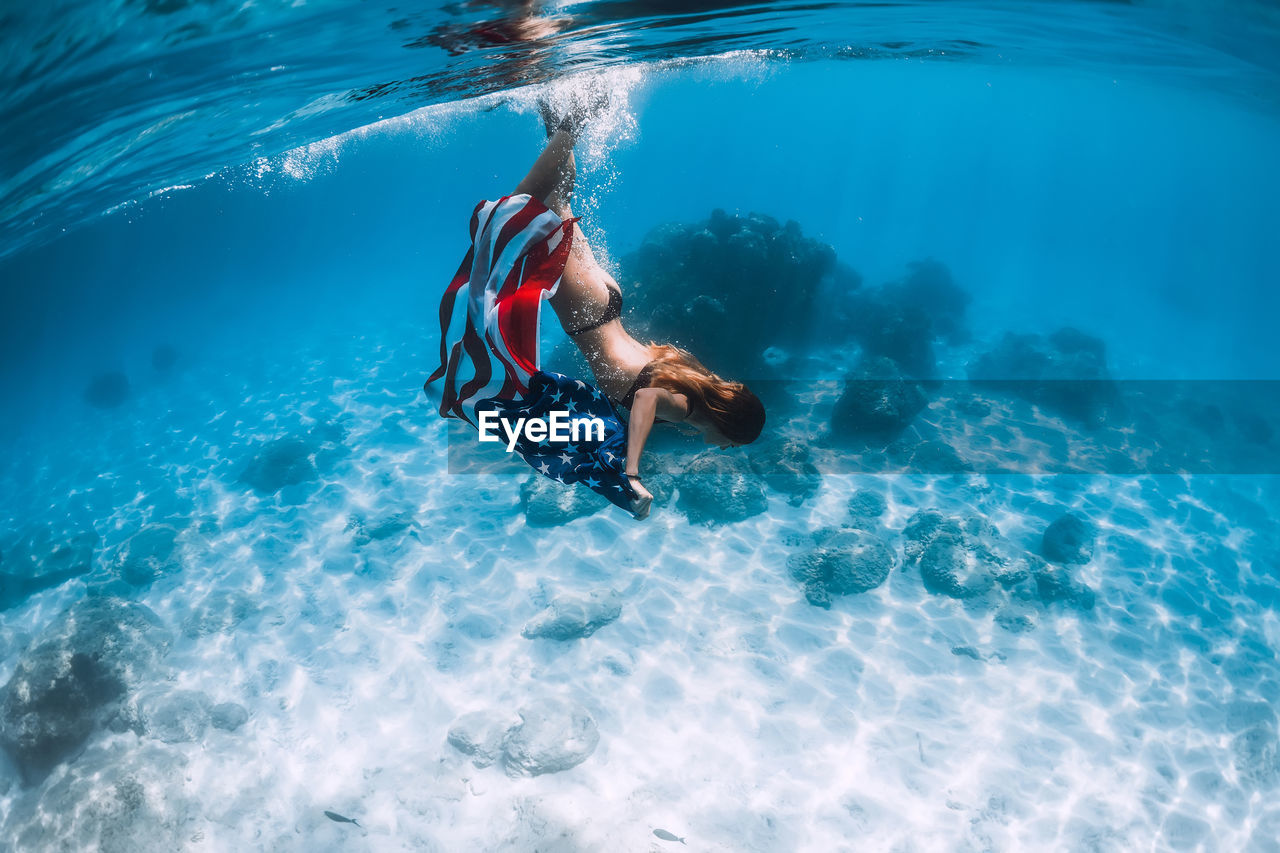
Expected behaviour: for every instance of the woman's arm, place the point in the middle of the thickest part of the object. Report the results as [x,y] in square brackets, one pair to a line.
[644,408]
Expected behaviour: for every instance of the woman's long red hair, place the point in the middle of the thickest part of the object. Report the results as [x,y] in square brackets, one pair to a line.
[731,406]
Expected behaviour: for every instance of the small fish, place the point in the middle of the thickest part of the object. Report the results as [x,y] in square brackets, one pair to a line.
[334,816]
[667,836]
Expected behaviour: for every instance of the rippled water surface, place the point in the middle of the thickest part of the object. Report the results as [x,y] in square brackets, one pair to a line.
[1001,574]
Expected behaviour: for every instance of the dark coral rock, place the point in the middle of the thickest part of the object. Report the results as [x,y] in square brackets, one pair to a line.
[1014,621]
[1055,583]
[1253,427]
[479,734]
[967,557]
[902,319]
[949,568]
[1016,357]
[50,706]
[1011,573]
[1069,540]
[392,525]
[843,563]
[53,549]
[107,390]
[71,679]
[551,737]
[929,285]
[867,504]
[858,566]
[877,402]
[547,503]
[148,555]
[296,459]
[936,457]
[973,406]
[902,333]
[228,716]
[920,529]
[1066,373]
[573,617]
[43,559]
[720,488]
[960,557]
[283,462]
[1072,342]
[787,466]
[14,589]
[1207,417]
[702,286]
[179,716]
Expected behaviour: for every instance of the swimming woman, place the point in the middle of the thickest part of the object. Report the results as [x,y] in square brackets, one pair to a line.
[655,383]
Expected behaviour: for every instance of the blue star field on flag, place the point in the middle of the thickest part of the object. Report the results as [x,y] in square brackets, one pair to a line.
[598,464]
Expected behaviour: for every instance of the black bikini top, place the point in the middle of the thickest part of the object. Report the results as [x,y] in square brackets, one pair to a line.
[641,381]
[611,312]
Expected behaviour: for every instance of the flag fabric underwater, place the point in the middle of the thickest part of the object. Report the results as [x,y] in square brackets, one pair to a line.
[599,464]
[490,311]
[489,355]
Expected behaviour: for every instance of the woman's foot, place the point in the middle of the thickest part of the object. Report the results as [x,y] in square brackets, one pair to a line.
[589,103]
[550,120]
[574,108]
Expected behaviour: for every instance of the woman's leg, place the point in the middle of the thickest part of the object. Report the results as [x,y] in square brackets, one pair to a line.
[551,181]
[553,173]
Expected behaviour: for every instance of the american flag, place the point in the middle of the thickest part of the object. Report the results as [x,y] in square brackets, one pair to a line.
[489,344]
[490,310]
[597,463]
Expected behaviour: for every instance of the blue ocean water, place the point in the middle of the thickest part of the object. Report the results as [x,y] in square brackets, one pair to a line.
[246,580]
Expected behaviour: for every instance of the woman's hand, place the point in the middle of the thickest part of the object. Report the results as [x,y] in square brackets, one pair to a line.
[640,505]
[644,408]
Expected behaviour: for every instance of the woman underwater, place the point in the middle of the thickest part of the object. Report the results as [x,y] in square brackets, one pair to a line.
[653,383]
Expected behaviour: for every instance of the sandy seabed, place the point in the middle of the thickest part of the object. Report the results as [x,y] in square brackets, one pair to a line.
[356,615]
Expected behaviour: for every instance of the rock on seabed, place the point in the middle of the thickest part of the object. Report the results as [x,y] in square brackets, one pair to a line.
[550,738]
[573,617]
[72,678]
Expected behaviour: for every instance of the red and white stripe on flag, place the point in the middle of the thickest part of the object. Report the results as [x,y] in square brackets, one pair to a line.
[490,311]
